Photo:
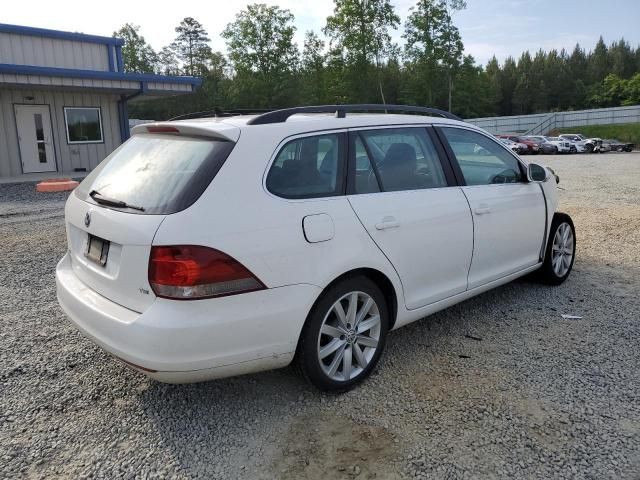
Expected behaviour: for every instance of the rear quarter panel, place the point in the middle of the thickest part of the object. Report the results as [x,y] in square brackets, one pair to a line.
[239,217]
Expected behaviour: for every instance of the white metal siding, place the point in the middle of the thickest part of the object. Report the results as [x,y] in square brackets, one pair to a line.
[169,87]
[68,157]
[52,52]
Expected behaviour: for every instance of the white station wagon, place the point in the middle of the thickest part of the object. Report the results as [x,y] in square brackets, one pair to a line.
[212,247]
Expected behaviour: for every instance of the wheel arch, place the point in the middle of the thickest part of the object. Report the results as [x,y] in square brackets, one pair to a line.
[380,279]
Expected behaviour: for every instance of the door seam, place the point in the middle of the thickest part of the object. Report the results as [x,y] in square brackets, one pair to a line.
[380,249]
[473,236]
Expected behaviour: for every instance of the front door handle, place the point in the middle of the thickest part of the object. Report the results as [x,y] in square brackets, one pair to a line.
[482,209]
[387,222]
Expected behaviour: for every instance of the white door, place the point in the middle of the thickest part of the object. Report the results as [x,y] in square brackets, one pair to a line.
[509,214]
[403,198]
[35,138]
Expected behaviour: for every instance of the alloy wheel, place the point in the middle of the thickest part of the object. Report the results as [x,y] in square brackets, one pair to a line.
[349,336]
[562,250]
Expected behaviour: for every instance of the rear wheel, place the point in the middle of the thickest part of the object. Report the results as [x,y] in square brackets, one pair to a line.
[560,252]
[344,335]
[588,148]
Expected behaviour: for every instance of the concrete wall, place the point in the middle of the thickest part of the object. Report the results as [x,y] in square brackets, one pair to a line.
[543,123]
[52,52]
[68,157]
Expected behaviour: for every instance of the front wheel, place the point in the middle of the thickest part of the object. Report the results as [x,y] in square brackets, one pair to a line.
[561,250]
[344,335]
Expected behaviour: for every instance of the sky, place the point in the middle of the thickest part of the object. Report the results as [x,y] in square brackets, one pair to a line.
[488,27]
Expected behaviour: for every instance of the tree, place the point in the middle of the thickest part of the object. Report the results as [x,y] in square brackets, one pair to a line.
[361,29]
[313,69]
[433,46]
[167,61]
[137,54]
[191,46]
[598,62]
[261,49]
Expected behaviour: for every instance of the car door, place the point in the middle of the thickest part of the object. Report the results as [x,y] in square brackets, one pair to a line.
[403,191]
[509,213]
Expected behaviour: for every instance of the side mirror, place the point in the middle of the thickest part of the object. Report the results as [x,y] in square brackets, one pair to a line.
[537,173]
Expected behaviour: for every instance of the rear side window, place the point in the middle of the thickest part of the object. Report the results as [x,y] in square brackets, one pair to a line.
[161,173]
[396,159]
[308,167]
[482,160]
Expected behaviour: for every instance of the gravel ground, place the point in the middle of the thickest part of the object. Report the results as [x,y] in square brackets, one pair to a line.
[500,386]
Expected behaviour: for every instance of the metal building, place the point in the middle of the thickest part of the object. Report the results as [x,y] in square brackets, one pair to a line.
[63,99]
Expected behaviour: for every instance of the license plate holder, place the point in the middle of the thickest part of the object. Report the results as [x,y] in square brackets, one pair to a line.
[97,250]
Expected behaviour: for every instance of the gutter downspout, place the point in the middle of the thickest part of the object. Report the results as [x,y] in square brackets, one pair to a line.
[123,112]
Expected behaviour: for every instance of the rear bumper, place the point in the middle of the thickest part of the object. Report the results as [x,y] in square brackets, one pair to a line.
[182,341]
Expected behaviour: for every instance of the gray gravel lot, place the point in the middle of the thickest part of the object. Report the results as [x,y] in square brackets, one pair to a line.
[500,386]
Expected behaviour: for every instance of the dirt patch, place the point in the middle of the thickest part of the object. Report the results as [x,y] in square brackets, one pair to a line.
[335,447]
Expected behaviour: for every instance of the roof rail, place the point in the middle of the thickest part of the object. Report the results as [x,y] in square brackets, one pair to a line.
[218,112]
[279,116]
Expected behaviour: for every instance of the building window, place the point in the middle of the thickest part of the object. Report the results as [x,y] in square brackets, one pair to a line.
[84,125]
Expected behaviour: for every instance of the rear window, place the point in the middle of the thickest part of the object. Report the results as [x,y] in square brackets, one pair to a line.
[161,173]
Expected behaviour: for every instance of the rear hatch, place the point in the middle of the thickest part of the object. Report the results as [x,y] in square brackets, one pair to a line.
[113,215]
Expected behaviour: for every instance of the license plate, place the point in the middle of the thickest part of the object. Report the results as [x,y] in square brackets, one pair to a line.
[97,250]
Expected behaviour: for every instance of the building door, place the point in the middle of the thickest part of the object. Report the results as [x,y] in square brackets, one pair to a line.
[35,138]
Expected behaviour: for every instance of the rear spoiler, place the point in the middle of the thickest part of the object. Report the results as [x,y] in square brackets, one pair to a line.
[219,131]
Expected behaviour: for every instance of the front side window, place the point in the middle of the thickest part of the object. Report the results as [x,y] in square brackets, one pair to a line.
[308,167]
[84,125]
[482,160]
[396,159]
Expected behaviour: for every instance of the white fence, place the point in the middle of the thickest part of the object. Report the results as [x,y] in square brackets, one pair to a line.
[543,123]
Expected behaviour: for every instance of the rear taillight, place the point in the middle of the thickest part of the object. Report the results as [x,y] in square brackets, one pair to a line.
[190,272]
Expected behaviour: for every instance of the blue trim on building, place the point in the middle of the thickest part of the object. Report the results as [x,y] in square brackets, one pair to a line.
[119,60]
[45,32]
[95,74]
[112,67]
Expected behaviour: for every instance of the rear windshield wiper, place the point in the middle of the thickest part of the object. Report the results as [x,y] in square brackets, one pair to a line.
[112,202]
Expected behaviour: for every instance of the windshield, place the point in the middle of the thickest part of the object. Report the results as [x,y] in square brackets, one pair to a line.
[161,174]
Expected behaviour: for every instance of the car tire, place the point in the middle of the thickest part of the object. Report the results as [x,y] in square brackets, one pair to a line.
[588,148]
[560,252]
[340,345]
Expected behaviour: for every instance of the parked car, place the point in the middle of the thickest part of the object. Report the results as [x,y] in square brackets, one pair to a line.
[618,146]
[545,147]
[533,148]
[562,146]
[519,148]
[584,144]
[207,248]
[605,146]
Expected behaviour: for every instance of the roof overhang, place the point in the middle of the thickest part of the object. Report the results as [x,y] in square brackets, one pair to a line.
[47,33]
[111,82]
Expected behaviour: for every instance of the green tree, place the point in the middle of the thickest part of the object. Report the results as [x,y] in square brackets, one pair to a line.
[433,48]
[137,54]
[361,29]
[313,69]
[263,55]
[191,46]
[598,62]
[167,61]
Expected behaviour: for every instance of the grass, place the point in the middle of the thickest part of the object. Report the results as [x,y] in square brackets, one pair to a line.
[625,132]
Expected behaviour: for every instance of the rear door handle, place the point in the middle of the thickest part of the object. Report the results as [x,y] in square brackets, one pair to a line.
[387,222]
[482,209]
